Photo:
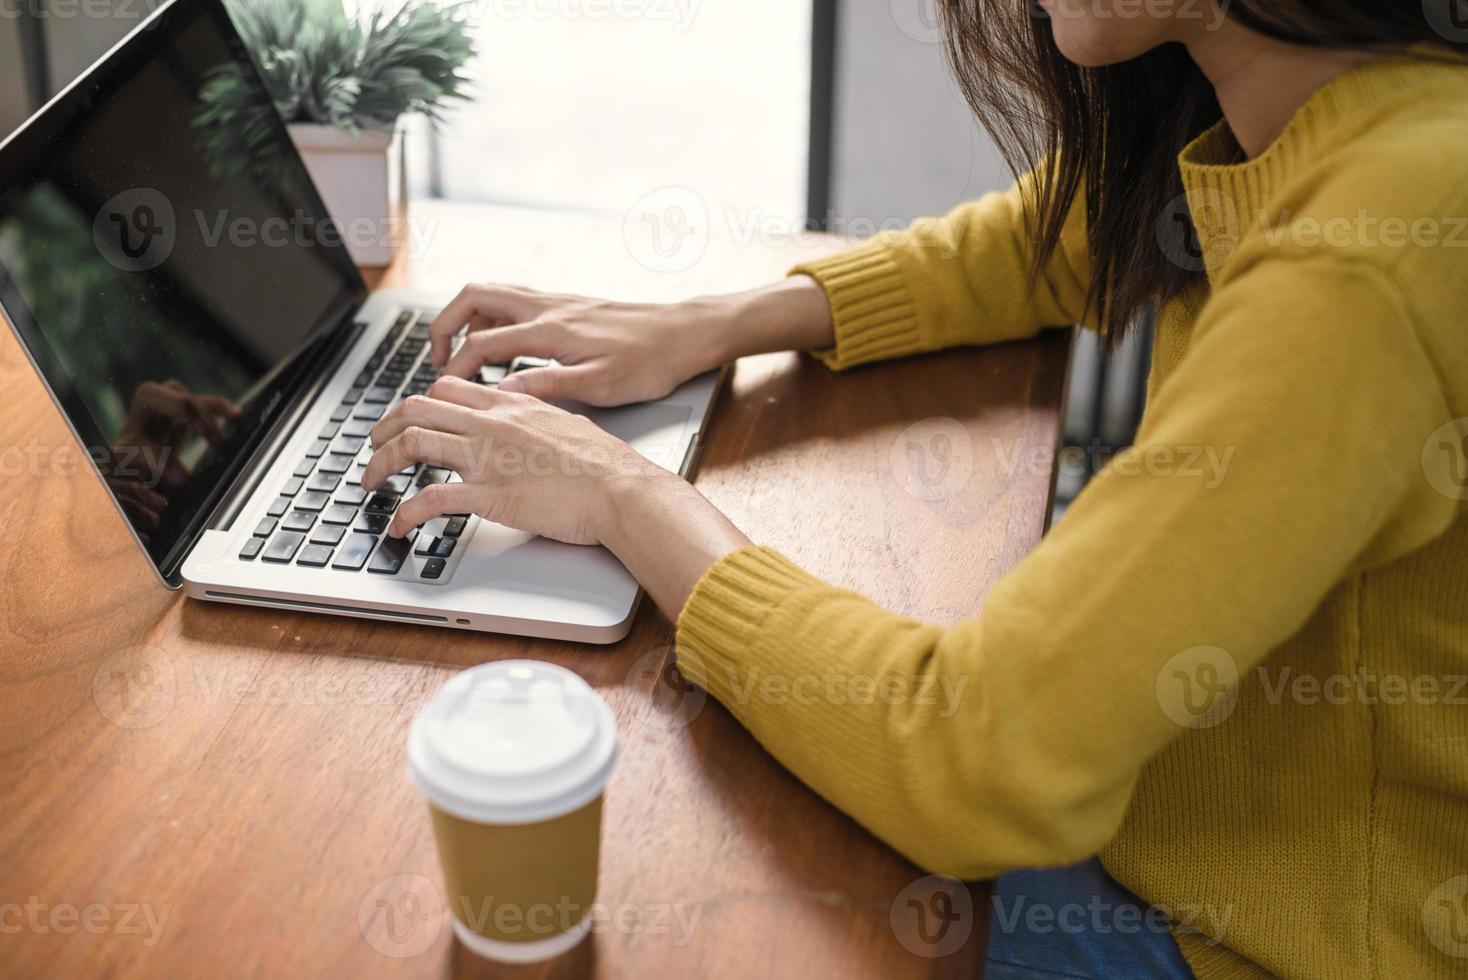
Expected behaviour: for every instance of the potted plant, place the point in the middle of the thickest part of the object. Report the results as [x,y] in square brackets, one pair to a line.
[341,84]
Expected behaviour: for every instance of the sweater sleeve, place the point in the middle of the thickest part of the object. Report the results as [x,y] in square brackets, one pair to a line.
[945,282]
[1283,454]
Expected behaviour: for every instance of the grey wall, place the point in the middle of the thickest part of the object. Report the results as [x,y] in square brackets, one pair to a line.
[904,144]
[75,39]
[14,103]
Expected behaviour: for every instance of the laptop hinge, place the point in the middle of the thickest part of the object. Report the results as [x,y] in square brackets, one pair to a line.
[253,472]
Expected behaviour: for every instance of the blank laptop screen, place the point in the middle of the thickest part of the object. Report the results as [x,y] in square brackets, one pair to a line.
[167,263]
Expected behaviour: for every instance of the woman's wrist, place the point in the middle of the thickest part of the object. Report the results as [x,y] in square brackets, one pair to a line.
[666,533]
[792,314]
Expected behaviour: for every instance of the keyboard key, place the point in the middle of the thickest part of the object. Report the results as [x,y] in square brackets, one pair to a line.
[329,430]
[364,380]
[328,534]
[348,444]
[420,332]
[350,495]
[299,520]
[455,527]
[433,474]
[358,428]
[426,542]
[353,554]
[312,500]
[528,364]
[292,487]
[279,506]
[339,514]
[417,388]
[372,523]
[369,412]
[283,547]
[342,413]
[444,547]
[324,482]
[317,448]
[397,485]
[265,528]
[335,463]
[353,396]
[433,567]
[380,396]
[304,467]
[354,478]
[493,374]
[252,548]
[314,556]
[390,555]
[382,503]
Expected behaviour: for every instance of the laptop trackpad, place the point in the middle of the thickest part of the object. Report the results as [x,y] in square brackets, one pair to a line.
[655,429]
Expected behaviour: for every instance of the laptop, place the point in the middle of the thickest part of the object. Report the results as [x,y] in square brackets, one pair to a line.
[171,272]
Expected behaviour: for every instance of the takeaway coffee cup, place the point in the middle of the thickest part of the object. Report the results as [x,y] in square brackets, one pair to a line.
[513,758]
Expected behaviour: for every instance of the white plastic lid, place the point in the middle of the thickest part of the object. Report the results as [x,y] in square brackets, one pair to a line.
[517,741]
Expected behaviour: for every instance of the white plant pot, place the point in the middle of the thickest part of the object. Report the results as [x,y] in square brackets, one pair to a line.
[361,179]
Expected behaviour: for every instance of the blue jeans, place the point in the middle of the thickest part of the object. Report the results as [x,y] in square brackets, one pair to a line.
[1077,922]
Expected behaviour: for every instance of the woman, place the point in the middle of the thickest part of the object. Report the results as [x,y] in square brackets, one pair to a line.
[1194,678]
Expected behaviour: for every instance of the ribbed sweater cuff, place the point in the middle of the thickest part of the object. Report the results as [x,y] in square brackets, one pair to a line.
[873,308]
[719,628]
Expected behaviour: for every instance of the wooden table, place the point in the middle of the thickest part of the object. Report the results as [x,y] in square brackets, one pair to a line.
[191,789]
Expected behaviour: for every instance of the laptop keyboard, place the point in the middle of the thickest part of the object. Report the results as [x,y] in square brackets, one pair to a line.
[322,518]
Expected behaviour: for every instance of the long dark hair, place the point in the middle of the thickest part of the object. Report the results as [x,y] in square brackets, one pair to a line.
[1114,133]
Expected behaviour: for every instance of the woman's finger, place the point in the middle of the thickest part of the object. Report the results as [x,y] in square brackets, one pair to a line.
[467,393]
[548,383]
[495,303]
[499,346]
[431,413]
[433,501]
[414,445]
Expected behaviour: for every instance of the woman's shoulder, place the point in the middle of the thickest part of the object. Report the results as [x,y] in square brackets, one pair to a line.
[1383,186]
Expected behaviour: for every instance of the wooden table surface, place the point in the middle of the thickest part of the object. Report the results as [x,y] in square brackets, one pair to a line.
[191,789]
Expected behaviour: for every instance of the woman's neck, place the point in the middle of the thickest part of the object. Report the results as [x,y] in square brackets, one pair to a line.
[1260,82]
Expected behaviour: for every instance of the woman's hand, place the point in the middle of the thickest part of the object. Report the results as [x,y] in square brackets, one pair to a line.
[523,463]
[536,468]
[608,353]
[619,353]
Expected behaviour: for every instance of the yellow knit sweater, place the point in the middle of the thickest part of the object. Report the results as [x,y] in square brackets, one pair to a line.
[1236,667]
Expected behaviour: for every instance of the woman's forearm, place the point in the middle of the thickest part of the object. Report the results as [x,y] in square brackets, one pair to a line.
[792,314]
